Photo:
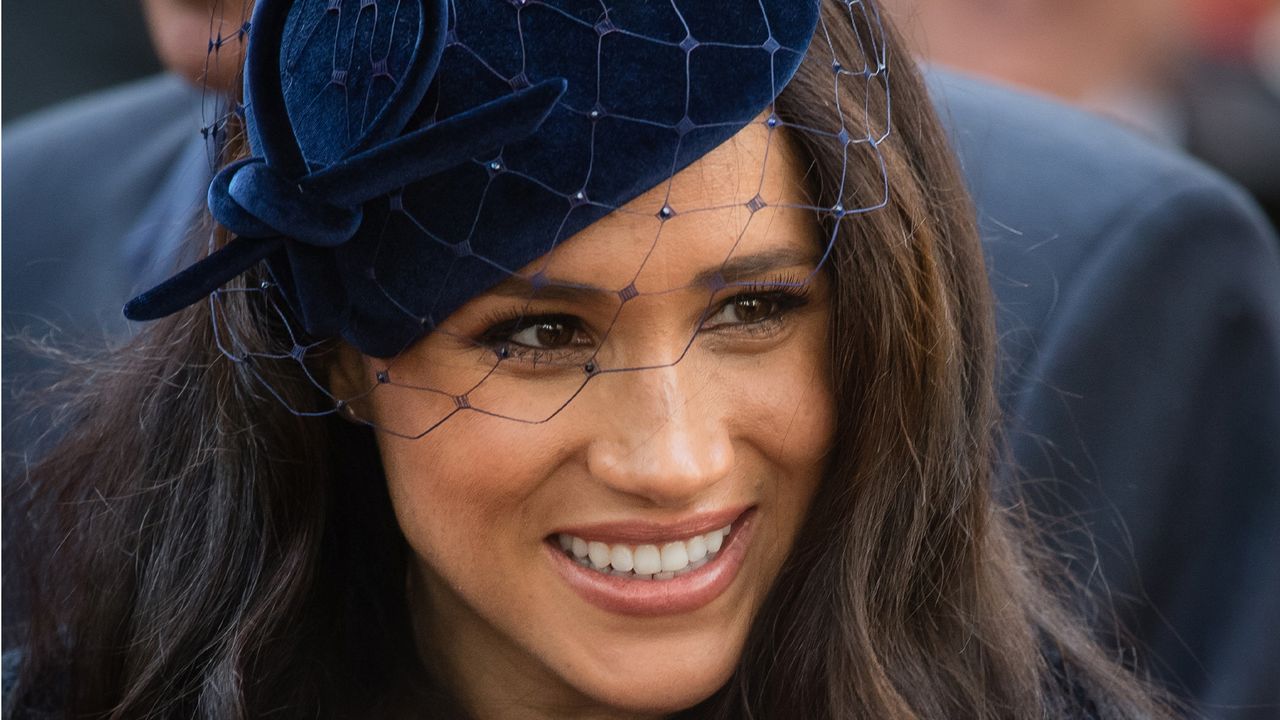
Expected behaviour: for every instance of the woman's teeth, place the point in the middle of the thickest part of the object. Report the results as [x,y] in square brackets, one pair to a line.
[654,562]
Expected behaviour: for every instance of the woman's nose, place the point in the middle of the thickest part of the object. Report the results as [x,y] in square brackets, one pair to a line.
[664,436]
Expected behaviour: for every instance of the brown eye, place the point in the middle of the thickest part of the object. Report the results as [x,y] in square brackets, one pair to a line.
[554,334]
[753,309]
[743,310]
[545,334]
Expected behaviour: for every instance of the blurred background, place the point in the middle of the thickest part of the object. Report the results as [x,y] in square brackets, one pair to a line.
[57,49]
[1203,75]
[1200,74]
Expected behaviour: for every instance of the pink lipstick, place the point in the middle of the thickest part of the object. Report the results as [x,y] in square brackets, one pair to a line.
[647,569]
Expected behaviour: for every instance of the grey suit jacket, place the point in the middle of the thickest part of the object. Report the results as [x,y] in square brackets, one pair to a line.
[97,194]
[1138,310]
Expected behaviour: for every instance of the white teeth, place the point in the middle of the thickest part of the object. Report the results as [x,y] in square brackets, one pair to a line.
[697,548]
[657,562]
[620,558]
[599,554]
[675,556]
[647,560]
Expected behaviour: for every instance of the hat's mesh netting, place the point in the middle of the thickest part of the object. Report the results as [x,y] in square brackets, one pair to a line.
[228,33]
[527,367]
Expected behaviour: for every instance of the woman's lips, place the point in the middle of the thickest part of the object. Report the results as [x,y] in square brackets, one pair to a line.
[690,589]
[636,532]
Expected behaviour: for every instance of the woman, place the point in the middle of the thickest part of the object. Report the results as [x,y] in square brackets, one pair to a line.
[677,405]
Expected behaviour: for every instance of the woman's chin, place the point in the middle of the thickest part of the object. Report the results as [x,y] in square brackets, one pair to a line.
[644,694]
[657,683]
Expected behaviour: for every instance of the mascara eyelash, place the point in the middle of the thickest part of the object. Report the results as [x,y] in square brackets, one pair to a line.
[500,323]
[794,285]
[789,292]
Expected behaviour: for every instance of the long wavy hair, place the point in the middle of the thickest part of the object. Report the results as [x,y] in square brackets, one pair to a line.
[191,548]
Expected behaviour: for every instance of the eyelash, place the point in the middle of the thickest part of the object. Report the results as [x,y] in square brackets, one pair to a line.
[787,294]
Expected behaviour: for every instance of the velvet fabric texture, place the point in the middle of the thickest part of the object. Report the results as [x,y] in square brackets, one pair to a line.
[410,154]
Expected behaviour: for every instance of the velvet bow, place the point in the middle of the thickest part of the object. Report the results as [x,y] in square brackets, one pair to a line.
[275,198]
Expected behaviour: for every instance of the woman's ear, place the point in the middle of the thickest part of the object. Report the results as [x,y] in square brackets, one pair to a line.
[348,374]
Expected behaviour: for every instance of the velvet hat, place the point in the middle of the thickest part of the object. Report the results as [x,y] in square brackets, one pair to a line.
[407,155]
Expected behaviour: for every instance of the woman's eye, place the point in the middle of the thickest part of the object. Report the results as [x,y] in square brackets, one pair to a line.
[545,334]
[744,310]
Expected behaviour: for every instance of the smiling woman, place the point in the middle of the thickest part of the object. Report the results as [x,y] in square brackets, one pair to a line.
[645,523]
[557,360]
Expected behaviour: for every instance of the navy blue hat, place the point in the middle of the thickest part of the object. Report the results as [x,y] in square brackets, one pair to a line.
[407,155]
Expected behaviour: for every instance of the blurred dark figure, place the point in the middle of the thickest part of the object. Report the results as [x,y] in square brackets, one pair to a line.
[77,245]
[1229,92]
[56,49]
[1142,386]
[1190,73]
[1268,48]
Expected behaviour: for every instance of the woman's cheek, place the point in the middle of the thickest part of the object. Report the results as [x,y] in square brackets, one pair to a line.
[787,406]
[469,490]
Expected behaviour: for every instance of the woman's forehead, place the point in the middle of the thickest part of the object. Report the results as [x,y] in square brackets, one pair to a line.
[744,200]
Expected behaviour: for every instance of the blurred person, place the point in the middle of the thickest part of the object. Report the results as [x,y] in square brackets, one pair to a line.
[1223,88]
[1139,317]
[1065,203]
[199,39]
[1269,48]
[1184,72]
[52,50]
[1230,29]
[1175,341]
[70,235]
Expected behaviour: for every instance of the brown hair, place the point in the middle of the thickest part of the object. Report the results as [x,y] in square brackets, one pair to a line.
[196,549]
[910,593]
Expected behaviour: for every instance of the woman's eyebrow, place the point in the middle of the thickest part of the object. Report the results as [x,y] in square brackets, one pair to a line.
[741,267]
[523,288]
[735,269]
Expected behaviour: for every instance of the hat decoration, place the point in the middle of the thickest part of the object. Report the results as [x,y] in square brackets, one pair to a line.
[406,156]
[409,154]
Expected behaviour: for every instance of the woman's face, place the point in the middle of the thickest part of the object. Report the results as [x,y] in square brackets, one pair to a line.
[182,33]
[642,471]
